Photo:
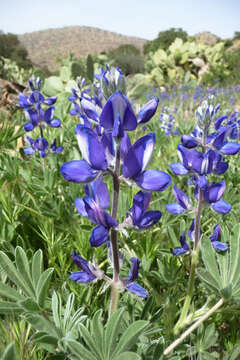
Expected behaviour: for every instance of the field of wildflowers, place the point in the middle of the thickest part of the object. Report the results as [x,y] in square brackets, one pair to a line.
[120,234]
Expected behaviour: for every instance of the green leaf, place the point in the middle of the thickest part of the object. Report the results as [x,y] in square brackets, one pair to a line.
[39,322]
[9,353]
[56,309]
[98,331]
[209,259]
[234,267]
[43,285]
[130,336]
[10,270]
[8,307]
[88,339]
[29,305]
[209,280]
[78,349]
[23,267]
[127,356]
[112,331]
[37,266]
[42,337]
[10,293]
[68,310]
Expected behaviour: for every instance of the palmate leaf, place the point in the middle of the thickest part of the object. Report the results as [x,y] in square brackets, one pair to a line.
[27,276]
[130,336]
[222,270]
[110,342]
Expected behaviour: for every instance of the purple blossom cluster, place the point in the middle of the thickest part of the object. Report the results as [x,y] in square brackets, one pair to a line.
[107,150]
[39,112]
[202,154]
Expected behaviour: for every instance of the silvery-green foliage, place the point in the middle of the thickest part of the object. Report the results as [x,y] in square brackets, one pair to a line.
[110,342]
[221,274]
[31,283]
[62,323]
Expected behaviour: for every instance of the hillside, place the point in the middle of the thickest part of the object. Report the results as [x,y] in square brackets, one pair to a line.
[45,46]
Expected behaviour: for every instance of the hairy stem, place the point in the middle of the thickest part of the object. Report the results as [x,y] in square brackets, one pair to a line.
[190,288]
[193,327]
[114,238]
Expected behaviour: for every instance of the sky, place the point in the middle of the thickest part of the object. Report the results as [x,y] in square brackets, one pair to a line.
[141,18]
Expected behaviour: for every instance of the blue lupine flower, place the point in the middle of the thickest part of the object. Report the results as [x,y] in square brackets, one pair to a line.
[55,148]
[182,203]
[147,111]
[40,144]
[217,245]
[213,193]
[136,161]
[87,274]
[184,248]
[94,158]
[118,112]
[92,206]
[131,285]
[138,217]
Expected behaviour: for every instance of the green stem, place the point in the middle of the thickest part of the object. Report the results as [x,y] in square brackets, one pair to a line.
[193,327]
[190,288]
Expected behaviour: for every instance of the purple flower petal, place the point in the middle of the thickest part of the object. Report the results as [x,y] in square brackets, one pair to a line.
[98,236]
[221,207]
[138,156]
[178,251]
[133,272]
[217,245]
[147,111]
[92,150]
[78,171]
[28,126]
[189,141]
[99,192]
[140,204]
[181,197]
[80,205]
[153,180]
[81,276]
[230,148]
[90,109]
[137,289]
[214,192]
[29,150]
[175,208]
[55,123]
[149,219]
[178,169]
[216,233]
[118,105]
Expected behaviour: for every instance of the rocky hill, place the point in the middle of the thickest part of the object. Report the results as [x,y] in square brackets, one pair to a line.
[45,46]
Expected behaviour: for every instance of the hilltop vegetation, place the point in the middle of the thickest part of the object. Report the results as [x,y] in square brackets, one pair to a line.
[45,46]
